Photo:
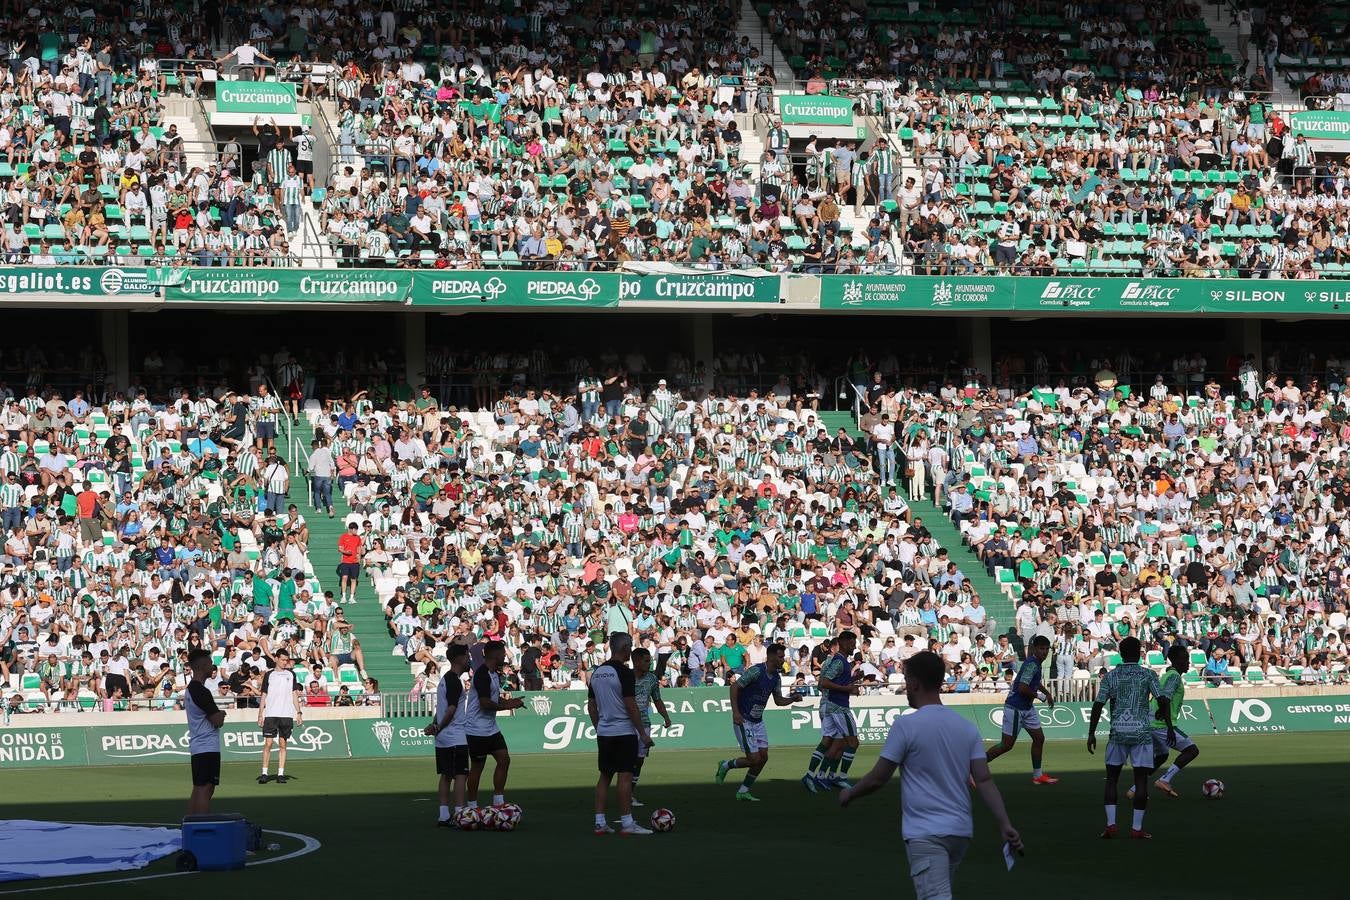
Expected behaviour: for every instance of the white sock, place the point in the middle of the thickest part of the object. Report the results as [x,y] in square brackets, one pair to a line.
[627,821]
[458,810]
[600,820]
[1036,773]
[473,804]
[1138,820]
[1110,814]
[1172,772]
[445,813]
[281,771]
[498,799]
[743,790]
[264,771]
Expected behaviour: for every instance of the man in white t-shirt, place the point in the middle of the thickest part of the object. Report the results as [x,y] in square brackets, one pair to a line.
[279,712]
[938,751]
[883,437]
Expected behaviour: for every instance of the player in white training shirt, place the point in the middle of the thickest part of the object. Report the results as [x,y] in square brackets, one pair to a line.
[278,713]
[452,744]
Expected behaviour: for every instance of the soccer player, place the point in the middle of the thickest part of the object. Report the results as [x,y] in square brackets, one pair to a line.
[938,751]
[204,722]
[1174,689]
[749,695]
[1128,688]
[838,736]
[279,711]
[1019,711]
[484,738]
[452,747]
[647,687]
[611,702]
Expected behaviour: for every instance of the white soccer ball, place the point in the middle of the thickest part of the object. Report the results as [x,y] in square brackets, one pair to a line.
[513,812]
[1213,789]
[470,819]
[663,820]
[492,817]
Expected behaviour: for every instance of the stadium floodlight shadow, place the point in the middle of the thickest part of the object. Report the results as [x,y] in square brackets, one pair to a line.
[374,819]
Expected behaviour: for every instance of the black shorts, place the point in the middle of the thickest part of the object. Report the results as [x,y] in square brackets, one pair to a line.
[277,726]
[205,769]
[618,754]
[483,747]
[349,570]
[452,761]
[304,166]
[266,430]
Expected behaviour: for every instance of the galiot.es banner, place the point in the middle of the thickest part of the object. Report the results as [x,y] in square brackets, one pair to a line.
[112,282]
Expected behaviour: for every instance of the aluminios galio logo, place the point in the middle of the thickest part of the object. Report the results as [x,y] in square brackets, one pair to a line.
[111,281]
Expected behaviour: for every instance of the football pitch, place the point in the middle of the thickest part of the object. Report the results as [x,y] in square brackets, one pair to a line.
[364,828]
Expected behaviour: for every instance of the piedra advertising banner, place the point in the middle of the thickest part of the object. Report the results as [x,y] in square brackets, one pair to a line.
[556,722]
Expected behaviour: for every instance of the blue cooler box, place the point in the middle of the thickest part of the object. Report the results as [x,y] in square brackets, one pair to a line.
[218,841]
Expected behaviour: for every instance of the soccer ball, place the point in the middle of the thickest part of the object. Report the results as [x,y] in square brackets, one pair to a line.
[663,820]
[1213,789]
[491,817]
[511,812]
[470,819]
[505,821]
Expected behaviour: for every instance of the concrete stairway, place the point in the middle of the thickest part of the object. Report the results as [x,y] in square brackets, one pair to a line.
[1221,25]
[946,534]
[366,615]
[757,30]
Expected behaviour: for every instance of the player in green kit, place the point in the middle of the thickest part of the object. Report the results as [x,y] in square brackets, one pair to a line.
[646,691]
[1174,689]
[1128,688]
[750,694]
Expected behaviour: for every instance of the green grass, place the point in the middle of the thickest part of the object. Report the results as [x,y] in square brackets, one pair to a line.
[1273,835]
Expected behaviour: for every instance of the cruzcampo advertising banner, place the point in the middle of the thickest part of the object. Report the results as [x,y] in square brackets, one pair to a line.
[992,293]
[1322,124]
[720,288]
[815,109]
[256,98]
[115,282]
[263,285]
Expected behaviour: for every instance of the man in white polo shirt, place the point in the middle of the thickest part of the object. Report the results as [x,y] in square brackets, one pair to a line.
[938,751]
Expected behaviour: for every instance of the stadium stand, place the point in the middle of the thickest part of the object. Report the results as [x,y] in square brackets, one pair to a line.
[1000,138]
[134,532]
[1085,515]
